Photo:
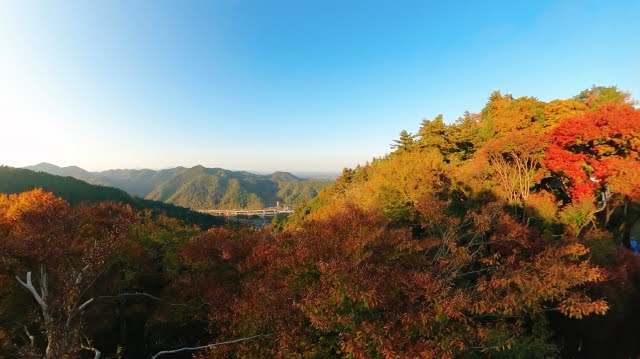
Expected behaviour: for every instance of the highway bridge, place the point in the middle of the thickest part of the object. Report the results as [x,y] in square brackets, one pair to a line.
[266,212]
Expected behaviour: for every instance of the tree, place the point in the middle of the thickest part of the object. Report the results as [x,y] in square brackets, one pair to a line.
[590,149]
[598,96]
[555,112]
[597,156]
[432,134]
[504,115]
[67,248]
[516,161]
[405,142]
[463,134]
[355,285]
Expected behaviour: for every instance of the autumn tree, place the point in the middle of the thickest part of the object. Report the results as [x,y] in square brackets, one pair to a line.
[555,112]
[504,115]
[57,254]
[597,156]
[356,285]
[140,292]
[489,114]
[516,161]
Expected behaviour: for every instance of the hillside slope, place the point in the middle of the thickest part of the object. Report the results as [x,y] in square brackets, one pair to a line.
[137,182]
[133,181]
[499,198]
[16,180]
[201,187]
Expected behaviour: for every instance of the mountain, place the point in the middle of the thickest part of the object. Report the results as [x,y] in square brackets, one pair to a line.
[75,191]
[200,187]
[70,171]
[136,182]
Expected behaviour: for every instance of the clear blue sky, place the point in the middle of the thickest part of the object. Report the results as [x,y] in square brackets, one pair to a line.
[283,85]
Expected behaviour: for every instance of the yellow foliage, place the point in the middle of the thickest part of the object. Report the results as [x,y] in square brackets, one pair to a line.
[544,204]
[577,216]
[559,110]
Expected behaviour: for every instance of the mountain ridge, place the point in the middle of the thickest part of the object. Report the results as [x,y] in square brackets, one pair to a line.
[200,187]
[75,191]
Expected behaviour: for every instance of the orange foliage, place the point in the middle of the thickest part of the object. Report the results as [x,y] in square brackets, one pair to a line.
[598,149]
[352,286]
[66,248]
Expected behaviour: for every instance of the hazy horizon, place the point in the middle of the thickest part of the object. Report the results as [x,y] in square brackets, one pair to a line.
[283,85]
[309,174]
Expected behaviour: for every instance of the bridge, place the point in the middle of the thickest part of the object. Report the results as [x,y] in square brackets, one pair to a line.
[266,212]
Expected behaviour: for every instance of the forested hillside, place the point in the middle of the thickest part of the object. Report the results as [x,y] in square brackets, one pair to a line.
[522,177]
[136,182]
[16,180]
[505,234]
[200,187]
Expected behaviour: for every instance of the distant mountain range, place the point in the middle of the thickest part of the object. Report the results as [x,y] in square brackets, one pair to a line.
[200,187]
[16,180]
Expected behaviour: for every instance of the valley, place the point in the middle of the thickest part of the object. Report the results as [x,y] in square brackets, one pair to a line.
[201,188]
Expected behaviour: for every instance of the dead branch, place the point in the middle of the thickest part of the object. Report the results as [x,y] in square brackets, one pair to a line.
[207,346]
[43,305]
[142,294]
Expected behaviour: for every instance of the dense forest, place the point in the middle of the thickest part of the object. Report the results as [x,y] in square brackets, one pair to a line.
[207,188]
[509,233]
[200,187]
[16,180]
[136,182]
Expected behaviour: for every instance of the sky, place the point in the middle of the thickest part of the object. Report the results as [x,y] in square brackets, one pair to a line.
[283,85]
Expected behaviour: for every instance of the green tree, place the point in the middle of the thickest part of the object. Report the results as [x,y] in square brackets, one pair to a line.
[432,134]
[597,96]
[405,142]
[464,135]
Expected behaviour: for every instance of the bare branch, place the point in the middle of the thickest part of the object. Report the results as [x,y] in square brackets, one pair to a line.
[90,347]
[75,309]
[73,312]
[121,295]
[84,305]
[90,284]
[208,345]
[29,286]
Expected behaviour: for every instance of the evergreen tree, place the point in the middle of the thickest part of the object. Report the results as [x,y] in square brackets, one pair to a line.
[405,142]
